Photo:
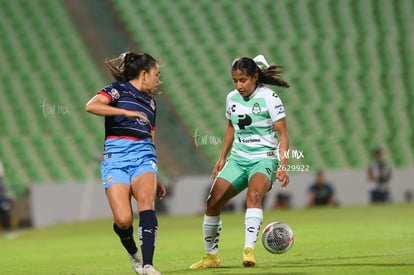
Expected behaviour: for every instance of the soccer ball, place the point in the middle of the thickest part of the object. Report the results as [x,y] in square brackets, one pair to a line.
[277,237]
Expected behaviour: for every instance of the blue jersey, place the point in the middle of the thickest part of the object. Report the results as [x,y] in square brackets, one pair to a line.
[127,138]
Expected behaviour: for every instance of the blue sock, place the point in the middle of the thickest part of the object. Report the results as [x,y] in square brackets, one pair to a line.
[127,239]
[148,226]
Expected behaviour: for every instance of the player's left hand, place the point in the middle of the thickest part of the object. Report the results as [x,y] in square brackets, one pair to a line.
[283,177]
[217,168]
[161,190]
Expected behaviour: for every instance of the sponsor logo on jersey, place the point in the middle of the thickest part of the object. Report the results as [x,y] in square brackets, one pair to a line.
[256,109]
[249,140]
[281,109]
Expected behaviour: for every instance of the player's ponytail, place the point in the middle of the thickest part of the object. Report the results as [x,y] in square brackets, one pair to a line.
[272,75]
[128,65]
[116,66]
[267,74]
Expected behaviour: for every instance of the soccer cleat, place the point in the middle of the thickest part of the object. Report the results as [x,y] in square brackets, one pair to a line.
[149,270]
[136,262]
[208,260]
[248,257]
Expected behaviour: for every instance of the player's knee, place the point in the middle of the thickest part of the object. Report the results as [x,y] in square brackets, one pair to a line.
[123,221]
[213,203]
[253,199]
[146,202]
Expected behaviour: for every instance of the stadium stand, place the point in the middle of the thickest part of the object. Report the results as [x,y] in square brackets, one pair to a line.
[350,64]
[346,61]
[48,75]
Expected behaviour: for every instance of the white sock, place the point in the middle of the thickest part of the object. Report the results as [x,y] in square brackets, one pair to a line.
[211,232]
[252,222]
[137,256]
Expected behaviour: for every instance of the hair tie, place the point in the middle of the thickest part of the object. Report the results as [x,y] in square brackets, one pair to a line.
[122,55]
[261,62]
[234,61]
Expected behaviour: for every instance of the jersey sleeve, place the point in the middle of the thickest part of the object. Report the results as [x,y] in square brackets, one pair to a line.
[110,92]
[228,107]
[275,107]
[153,105]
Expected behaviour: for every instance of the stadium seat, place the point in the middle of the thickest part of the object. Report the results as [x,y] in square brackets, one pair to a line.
[350,65]
[48,68]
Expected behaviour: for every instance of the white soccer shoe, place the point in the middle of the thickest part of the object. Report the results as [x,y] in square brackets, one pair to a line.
[136,262]
[149,270]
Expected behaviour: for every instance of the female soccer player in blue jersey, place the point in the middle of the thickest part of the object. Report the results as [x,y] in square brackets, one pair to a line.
[129,163]
[256,135]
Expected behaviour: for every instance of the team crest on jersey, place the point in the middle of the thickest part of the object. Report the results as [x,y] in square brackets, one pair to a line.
[109,179]
[114,93]
[256,109]
[152,104]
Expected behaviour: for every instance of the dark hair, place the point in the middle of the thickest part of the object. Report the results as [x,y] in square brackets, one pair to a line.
[377,151]
[128,65]
[320,173]
[270,75]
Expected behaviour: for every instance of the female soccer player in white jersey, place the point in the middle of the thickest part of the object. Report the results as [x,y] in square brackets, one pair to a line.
[256,135]
[129,163]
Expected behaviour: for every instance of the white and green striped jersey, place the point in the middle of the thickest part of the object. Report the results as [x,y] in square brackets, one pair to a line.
[253,118]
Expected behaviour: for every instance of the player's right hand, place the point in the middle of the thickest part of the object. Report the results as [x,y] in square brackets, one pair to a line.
[161,190]
[135,114]
[217,168]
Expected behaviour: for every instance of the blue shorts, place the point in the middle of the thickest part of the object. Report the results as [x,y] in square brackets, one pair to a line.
[125,171]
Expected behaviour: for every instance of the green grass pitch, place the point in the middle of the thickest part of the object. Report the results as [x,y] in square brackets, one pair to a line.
[375,239]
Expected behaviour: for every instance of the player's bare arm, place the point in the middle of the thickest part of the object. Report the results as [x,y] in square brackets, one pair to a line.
[282,134]
[99,105]
[227,144]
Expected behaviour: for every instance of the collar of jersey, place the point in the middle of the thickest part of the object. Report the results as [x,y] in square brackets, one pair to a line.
[252,95]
